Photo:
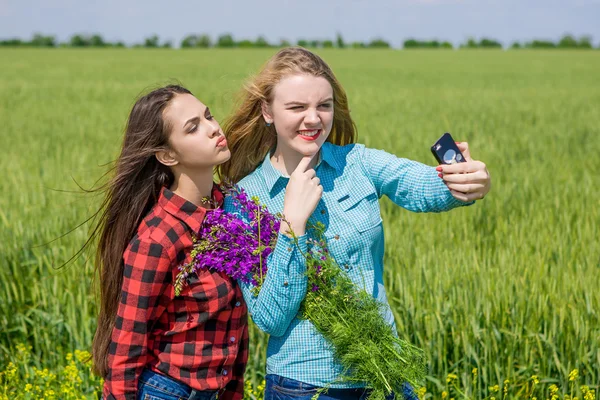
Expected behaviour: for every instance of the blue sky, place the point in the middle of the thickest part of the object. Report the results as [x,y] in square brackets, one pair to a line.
[394,21]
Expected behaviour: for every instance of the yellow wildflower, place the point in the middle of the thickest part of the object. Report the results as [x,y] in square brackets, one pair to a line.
[494,389]
[573,375]
[444,394]
[535,379]
[421,392]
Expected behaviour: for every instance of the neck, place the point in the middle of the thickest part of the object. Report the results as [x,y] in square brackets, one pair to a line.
[194,187]
[287,161]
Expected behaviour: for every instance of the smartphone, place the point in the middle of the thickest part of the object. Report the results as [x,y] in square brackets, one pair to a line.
[446,151]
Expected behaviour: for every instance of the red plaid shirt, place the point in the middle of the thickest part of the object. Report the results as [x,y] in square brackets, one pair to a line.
[199,337]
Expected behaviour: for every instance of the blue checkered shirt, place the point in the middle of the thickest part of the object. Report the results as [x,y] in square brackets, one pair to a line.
[353,178]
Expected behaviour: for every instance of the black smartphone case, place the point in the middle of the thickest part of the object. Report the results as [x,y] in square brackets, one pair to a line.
[446,151]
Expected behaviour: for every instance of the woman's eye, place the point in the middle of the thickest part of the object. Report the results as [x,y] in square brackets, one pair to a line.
[193,128]
[209,117]
[326,105]
[295,108]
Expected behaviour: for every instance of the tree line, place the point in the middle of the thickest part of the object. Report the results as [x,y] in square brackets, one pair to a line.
[227,41]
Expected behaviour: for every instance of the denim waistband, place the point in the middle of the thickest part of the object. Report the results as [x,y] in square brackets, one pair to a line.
[294,384]
[175,387]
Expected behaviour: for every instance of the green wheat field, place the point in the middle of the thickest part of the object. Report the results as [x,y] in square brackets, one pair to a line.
[503,296]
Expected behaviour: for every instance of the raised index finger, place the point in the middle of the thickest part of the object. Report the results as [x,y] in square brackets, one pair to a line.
[304,163]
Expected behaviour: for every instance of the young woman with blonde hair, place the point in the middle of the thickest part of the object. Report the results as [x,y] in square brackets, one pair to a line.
[292,141]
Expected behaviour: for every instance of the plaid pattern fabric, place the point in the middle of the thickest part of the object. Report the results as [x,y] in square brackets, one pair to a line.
[199,337]
[353,178]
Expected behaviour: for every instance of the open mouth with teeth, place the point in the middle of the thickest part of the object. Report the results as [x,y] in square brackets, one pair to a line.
[310,134]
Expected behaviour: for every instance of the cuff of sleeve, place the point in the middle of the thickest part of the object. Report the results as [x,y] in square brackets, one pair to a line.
[454,202]
[290,255]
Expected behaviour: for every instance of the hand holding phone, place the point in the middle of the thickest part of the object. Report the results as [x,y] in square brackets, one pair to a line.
[446,151]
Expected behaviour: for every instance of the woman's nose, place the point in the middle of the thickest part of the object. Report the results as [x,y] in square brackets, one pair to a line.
[312,117]
[215,128]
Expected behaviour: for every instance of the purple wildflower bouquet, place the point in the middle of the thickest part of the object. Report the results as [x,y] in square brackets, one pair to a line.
[348,317]
[228,244]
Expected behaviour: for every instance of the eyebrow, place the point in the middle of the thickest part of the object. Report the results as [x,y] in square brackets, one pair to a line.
[191,120]
[303,104]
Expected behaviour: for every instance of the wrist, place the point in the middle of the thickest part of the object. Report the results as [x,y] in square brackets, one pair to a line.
[298,227]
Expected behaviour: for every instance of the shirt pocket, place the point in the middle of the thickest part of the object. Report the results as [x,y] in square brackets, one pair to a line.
[360,207]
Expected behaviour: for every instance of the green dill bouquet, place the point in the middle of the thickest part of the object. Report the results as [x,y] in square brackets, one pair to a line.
[351,320]
[348,317]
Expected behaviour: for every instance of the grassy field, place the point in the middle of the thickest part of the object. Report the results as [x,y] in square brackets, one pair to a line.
[509,286]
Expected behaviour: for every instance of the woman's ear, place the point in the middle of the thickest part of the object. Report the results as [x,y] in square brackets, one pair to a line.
[166,157]
[266,112]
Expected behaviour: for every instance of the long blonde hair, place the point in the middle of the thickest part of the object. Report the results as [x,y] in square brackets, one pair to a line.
[248,137]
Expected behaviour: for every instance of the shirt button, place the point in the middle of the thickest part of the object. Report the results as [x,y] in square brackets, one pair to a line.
[237,304]
[225,372]
[289,249]
[285,283]
[322,212]
[347,266]
[337,237]
[232,339]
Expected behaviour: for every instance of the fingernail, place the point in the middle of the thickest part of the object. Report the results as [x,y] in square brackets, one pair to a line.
[439,169]
[440,175]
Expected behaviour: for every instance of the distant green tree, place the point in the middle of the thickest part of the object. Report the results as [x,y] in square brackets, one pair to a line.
[225,40]
[567,41]
[515,45]
[327,44]
[378,44]
[167,44]
[261,42]
[189,41]
[471,44]
[245,44]
[11,42]
[411,44]
[358,45]
[284,43]
[541,44]
[585,42]
[151,42]
[489,43]
[303,43]
[340,41]
[204,41]
[79,41]
[97,41]
[40,40]
[315,43]
[422,44]
[119,44]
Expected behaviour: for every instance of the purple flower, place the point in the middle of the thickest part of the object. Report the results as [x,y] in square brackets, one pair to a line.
[229,244]
[314,288]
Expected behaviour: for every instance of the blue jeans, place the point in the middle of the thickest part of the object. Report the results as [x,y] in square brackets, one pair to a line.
[154,386]
[280,388]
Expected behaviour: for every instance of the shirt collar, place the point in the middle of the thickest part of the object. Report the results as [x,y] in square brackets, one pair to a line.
[272,174]
[186,211]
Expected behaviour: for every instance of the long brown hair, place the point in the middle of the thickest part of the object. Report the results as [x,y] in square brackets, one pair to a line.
[248,137]
[129,195]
